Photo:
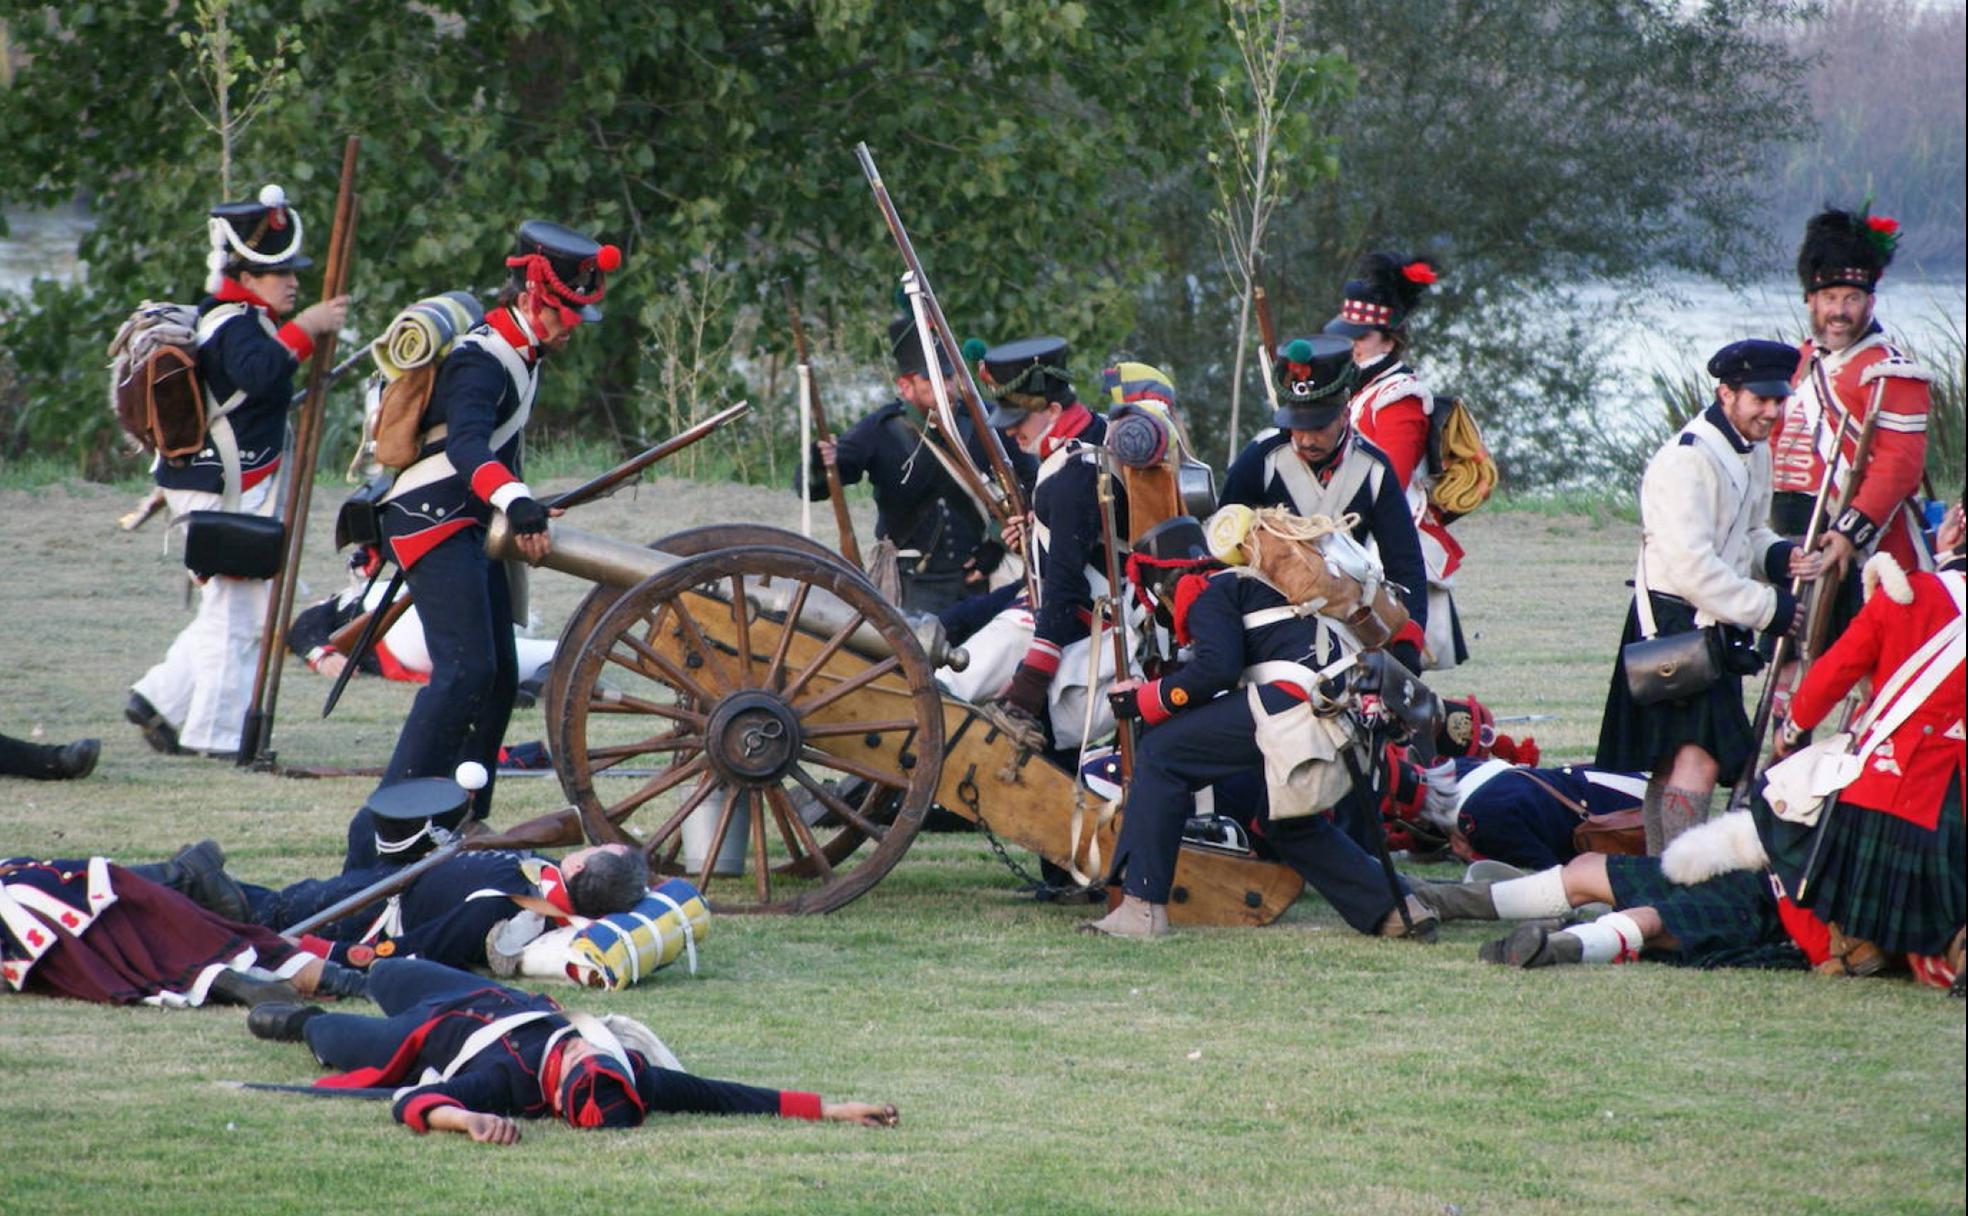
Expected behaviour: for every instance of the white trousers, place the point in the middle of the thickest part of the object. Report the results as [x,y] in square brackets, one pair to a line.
[205,683]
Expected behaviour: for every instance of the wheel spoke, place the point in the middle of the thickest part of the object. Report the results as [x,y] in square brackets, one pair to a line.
[763,881]
[791,822]
[857,680]
[670,672]
[675,741]
[621,703]
[683,812]
[855,768]
[715,845]
[830,730]
[827,652]
[741,617]
[837,806]
[777,669]
[658,785]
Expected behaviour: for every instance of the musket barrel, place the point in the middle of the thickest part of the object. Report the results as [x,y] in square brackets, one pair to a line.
[614,563]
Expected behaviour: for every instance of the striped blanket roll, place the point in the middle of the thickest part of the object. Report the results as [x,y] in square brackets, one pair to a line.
[627,947]
[425,331]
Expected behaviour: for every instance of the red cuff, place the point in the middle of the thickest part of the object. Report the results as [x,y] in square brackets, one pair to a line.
[1042,656]
[320,947]
[296,339]
[416,1112]
[1149,698]
[488,477]
[795,1104]
[1411,632]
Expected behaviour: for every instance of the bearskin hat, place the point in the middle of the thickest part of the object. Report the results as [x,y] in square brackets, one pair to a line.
[1846,249]
[1384,290]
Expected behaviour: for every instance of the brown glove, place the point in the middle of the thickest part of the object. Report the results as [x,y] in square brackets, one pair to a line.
[1027,690]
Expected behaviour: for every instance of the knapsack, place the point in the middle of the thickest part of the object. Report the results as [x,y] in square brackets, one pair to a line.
[154,389]
[407,356]
[1464,473]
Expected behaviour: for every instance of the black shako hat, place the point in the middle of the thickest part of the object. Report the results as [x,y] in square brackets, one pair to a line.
[1384,289]
[568,265]
[1757,364]
[1315,378]
[906,349]
[408,814]
[1024,376]
[1846,249]
[259,236]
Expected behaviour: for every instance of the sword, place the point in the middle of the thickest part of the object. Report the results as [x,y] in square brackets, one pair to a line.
[312,1091]
[363,640]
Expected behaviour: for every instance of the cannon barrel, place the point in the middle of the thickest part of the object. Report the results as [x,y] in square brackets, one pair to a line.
[614,563]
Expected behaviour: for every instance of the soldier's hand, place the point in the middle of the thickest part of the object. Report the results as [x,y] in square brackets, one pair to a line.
[1013,533]
[492,1129]
[867,1114]
[829,453]
[323,317]
[1125,697]
[1835,549]
[1952,530]
[1805,564]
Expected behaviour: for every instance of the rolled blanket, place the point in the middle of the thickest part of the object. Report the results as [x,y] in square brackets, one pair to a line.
[626,947]
[1469,474]
[425,331]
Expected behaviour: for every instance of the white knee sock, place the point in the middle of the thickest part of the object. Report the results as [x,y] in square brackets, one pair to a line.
[1613,938]
[1540,894]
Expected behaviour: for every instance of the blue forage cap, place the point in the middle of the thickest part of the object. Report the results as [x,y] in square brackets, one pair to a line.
[1757,364]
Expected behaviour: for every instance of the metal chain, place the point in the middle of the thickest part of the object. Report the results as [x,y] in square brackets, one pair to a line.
[968,794]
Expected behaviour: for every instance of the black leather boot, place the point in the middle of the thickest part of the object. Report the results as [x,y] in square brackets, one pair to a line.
[281,1021]
[237,988]
[345,982]
[198,872]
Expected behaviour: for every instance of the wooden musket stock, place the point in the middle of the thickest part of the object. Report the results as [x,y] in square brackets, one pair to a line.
[843,523]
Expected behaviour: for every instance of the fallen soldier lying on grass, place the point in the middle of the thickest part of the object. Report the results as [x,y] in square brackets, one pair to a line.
[494,1053]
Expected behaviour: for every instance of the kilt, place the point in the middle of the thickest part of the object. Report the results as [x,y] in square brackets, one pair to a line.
[1729,921]
[1635,738]
[1878,877]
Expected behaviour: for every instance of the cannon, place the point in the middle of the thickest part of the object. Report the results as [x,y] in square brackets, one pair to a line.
[743,667]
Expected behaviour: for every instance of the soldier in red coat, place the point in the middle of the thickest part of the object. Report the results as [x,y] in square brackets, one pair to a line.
[1846,372]
[1392,409]
[1891,868]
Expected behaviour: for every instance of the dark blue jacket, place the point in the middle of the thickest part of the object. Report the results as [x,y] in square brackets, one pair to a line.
[1510,818]
[1221,645]
[1380,503]
[245,352]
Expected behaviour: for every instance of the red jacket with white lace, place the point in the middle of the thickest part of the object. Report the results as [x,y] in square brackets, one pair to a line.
[1909,773]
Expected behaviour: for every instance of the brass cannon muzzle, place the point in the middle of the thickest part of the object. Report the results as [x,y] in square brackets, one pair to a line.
[614,563]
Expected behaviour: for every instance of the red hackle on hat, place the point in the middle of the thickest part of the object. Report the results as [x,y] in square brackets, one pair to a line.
[609,260]
[1419,271]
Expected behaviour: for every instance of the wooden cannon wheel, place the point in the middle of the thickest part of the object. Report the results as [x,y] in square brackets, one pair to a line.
[740,709]
[689,543]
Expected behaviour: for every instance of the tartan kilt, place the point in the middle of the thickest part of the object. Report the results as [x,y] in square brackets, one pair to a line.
[1729,921]
[1879,877]
[1635,738]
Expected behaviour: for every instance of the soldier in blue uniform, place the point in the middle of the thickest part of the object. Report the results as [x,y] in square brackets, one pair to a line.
[196,698]
[1514,813]
[434,518]
[945,546]
[502,1053]
[1313,462]
[1039,410]
[1245,658]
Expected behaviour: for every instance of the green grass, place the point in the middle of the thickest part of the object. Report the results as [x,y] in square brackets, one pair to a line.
[1297,1068]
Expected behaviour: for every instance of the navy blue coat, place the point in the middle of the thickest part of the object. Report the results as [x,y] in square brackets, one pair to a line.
[1379,501]
[245,353]
[1221,646]
[1512,820]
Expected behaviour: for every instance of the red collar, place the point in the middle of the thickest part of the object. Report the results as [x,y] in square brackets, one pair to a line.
[1071,421]
[506,323]
[553,889]
[232,291]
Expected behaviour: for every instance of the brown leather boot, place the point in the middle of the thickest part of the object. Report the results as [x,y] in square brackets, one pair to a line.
[1853,956]
[1133,917]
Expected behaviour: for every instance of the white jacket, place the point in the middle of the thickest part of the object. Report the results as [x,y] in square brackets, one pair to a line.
[1705,523]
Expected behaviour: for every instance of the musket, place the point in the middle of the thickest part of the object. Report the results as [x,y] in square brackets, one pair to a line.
[256,731]
[1117,603]
[354,638]
[1006,480]
[365,1094]
[850,548]
[1825,596]
[538,832]
[1267,336]
[336,372]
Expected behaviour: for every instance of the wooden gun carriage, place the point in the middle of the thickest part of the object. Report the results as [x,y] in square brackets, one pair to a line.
[742,666]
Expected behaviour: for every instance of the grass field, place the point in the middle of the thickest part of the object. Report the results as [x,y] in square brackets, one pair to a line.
[1297,1068]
